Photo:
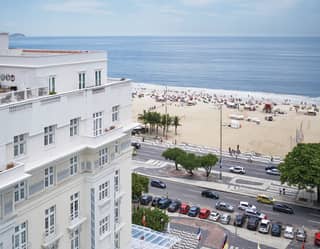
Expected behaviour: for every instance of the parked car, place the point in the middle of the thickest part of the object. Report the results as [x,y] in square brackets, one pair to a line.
[317,239]
[276,229]
[145,199]
[264,226]
[239,220]
[243,205]
[274,172]
[253,223]
[224,206]
[210,194]
[237,169]
[225,219]
[155,201]
[214,216]
[184,208]
[136,145]
[301,234]
[270,167]
[204,213]
[265,199]
[288,232]
[164,203]
[282,208]
[194,211]
[251,212]
[158,184]
[174,206]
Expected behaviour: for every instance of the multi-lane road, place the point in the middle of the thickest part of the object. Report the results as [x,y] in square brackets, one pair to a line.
[254,169]
[303,216]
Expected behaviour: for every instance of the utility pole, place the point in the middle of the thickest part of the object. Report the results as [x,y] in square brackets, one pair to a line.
[166,109]
[220,159]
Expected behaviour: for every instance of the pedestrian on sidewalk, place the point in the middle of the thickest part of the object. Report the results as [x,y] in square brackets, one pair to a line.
[284,191]
[280,191]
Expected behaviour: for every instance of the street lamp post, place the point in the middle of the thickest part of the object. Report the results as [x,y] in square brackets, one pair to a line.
[166,110]
[220,159]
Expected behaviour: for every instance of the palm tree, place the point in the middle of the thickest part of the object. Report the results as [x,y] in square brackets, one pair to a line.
[176,123]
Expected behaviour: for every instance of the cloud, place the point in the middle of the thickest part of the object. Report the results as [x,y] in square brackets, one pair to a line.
[77,6]
[197,2]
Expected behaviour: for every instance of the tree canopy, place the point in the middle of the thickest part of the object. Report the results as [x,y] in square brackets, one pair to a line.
[208,162]
[173,154]
[155,219]
[139,184]
[189,162]
[301,167]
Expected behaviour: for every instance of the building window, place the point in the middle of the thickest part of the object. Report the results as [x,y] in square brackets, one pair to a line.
[104,225]
[48,177]
[20,236]
[117,240]
[73,165]
[103,156]
[74,206]
[98,77]
[116,181]
[115,113]
[116,212]
[82,80]
[116,147]
[50,221]
[74,127]
[49,134]
[97,123]
[103,190]
[19,145]
[19,192]
[75,239]
[52,84]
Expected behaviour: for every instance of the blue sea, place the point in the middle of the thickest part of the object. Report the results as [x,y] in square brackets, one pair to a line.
[286,65]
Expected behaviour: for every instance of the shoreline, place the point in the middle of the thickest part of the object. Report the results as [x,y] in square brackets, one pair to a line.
[261,96]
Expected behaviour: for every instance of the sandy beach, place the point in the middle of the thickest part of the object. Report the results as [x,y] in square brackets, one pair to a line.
[198,110]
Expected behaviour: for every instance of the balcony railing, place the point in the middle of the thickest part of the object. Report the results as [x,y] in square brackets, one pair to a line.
[15,96]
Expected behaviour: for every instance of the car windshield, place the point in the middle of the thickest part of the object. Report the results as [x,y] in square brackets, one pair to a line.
[193,209]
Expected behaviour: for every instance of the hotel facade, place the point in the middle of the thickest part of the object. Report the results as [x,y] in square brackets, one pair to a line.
[65,151]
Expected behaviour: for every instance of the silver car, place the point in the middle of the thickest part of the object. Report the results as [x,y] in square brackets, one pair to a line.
[301,234]
[225,219]
[214,216]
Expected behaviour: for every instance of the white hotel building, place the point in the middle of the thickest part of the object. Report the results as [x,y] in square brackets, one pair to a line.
[64,151]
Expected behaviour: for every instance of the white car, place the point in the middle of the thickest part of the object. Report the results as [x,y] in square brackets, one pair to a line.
[288,232]
[252,212]
[274,172]
[243,205]
[214,216]
[264,226]
[237,169]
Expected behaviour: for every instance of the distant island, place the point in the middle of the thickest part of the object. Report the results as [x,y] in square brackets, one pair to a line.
[17,35]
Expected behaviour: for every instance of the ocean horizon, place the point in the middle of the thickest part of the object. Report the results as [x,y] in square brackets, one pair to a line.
[281,65]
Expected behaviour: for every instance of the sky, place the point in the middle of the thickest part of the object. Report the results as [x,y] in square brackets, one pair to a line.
[161,17]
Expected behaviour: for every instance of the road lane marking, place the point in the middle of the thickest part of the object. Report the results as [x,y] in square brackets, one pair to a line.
[313,221]
[316,215]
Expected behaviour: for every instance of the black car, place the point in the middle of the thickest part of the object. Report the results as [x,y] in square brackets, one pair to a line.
[155,201]
[164,203]
[253,223]
[209,194]
[174,206]
[145,199]
[282,208]
[271,167]
[239,220]
[158,184]
[194,211]
[276,229]
[136,145]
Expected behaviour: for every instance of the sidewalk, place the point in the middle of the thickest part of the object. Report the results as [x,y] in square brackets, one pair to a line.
[243,185]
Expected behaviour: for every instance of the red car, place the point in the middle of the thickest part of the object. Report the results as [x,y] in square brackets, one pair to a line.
[184,208]
[317,239]
[204,213]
